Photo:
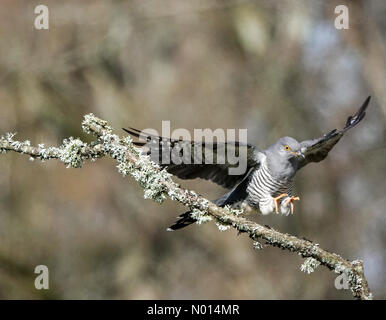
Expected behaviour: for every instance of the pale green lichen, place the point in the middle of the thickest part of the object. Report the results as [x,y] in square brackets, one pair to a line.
[234,211]
[222,223]
[309,265]
[257,245]
[71,153]
[222,226]
[340,268]
[152,181]
[91,120]
[149,175]
[200,216]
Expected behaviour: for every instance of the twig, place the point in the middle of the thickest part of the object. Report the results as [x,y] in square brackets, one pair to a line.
[158,184]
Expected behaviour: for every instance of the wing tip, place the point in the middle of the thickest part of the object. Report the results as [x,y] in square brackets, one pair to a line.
[358,116]
[364,106]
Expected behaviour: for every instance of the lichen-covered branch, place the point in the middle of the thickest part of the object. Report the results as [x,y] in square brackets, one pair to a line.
[73,151]
[158,185]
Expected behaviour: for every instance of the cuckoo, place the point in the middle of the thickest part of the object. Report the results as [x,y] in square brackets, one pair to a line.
[265,186]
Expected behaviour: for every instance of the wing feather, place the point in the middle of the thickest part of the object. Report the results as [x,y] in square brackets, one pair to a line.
[208,161]
[317,149]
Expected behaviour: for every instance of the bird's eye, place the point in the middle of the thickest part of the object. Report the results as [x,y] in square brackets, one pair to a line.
[287,148]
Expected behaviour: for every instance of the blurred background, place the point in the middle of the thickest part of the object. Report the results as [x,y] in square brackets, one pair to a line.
[276,68]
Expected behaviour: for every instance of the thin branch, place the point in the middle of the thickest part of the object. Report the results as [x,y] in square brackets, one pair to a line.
[158,184]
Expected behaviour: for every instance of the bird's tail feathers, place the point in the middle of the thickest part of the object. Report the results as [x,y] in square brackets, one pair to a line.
[183,221]
[186,219]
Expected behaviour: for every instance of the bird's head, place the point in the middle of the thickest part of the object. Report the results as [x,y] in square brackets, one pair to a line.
[287,148]
[283,157]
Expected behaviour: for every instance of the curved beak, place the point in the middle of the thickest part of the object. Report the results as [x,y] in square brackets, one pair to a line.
[298,154]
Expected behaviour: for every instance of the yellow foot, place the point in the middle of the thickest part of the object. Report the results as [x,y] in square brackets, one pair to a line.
[276,200]
[290,201]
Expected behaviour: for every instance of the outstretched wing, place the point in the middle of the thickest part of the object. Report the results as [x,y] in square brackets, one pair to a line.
[192,159]
[316,150]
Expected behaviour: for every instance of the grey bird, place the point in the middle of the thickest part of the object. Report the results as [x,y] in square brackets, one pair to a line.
[266,184]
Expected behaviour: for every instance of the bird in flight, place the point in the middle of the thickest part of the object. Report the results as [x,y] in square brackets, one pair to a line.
[267,183]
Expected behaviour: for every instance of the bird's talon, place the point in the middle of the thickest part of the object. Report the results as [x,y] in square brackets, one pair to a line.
[290,201]
[277,199]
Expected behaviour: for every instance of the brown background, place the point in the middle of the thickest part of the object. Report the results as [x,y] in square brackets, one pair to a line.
[276,68]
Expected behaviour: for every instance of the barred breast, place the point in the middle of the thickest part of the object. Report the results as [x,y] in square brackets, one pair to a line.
[263,187]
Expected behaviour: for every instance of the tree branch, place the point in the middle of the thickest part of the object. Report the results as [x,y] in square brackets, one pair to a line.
[158,184]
